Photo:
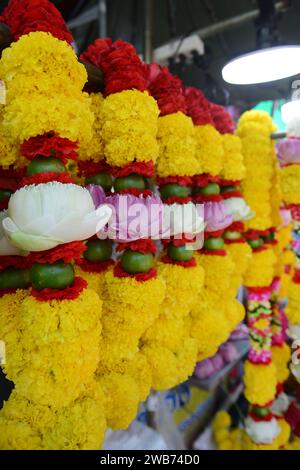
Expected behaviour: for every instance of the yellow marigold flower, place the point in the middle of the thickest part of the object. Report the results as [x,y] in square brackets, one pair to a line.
[260,271]
[176,146]
[179,297]
[69,117]
[218,270]
[233,167]
[285,432]
[163,366]
[289,176]
[18,436]
[96,281]
[281,355]
[209,150]
[241,254]
[222,420]
[9,319]
[122,399]
[59,321]
[9,153]
[210,326]
[254,129]
[260,382]
[93,149]
[293,306]
[235,313]
[221,435]
[35,415]
[44,55]
[80,426]
[256,119]
[186,357]
[129,127]
[167,331]
[55,374]
[284,237]
[130,300]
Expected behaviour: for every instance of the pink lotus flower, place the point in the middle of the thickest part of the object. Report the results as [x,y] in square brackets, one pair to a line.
[288,151]
[215,216]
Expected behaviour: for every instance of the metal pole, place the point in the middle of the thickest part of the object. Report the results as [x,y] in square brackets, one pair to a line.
[148,37]
[218,28]
[102,14]
[278,135]
[234,22]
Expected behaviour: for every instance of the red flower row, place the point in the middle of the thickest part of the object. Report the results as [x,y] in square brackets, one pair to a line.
[143,246]
[25,16]
[167,89]
[49,145]
[140,277]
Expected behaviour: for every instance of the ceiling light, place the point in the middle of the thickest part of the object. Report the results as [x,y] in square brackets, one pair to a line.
[263,65]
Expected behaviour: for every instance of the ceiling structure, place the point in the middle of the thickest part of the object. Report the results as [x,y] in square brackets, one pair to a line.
[125,19]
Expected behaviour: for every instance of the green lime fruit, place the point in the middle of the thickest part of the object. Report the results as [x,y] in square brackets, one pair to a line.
[44,164]
[134,262]
[58,275]
[98,250]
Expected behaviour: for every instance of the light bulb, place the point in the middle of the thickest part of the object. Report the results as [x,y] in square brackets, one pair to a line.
[264,65]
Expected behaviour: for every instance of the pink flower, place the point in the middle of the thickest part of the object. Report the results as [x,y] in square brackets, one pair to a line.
[135,217]
[215,216]
[288,151]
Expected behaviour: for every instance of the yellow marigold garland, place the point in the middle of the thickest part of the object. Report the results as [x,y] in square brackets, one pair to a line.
[176,140]
[45,76]
[261,268]
[290,177]
[129,127]
[260,382]
[254,129]
[93,149]
[281,355]
[209,150]
[233,168]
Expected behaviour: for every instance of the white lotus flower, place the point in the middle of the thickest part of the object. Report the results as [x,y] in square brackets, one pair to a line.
[182,219]
[293,331]
[238,209]
[295,369]
[293,127]
[280,404]
[262,432]
[6,249]
[44,216]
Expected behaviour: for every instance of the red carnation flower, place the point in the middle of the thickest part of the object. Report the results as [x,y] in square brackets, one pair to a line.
[69,293]
[142,246]
[93,54]
[49,145]
[140,277]
[120,63]
[167,89]
[145,169]
[25,16]
[198,107]
[222,119]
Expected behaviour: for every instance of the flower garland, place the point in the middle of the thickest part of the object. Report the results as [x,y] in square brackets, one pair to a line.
[128,129]
[220,280]
[53,348]
[261,374]
[169,344]
[289,159]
